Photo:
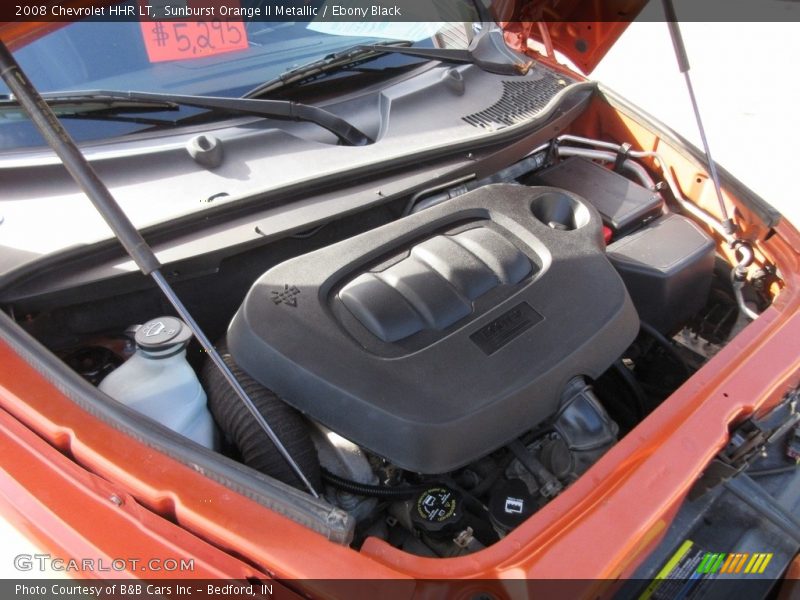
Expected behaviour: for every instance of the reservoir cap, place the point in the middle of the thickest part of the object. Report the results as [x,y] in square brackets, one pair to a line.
[162,333]
[437,511]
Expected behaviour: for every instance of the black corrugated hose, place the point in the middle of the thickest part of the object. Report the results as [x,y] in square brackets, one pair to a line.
[240,427]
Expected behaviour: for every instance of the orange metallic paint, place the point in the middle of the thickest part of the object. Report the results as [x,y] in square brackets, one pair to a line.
[790,587]
[56,502]
[582,31]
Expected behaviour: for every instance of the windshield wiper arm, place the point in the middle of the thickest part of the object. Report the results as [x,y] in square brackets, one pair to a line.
[488,51]
[276,109]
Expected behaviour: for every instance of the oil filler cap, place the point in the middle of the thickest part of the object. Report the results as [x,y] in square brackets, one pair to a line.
[162,333]
[437,511]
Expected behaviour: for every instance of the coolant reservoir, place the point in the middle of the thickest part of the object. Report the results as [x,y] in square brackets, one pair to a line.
[158,382]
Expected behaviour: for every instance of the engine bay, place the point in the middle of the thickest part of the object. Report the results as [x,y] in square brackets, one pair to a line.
[444,366]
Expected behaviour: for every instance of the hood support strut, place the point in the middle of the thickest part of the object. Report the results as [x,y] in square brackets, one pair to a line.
[683,65]
[84,175]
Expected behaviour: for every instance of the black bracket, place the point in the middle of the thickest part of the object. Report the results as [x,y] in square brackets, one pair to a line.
[622,156]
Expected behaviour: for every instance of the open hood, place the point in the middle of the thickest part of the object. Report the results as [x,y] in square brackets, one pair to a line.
[582,30]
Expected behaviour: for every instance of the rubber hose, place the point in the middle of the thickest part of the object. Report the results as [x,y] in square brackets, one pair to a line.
[238,424]
[633,385]
[667,345]
[377,491]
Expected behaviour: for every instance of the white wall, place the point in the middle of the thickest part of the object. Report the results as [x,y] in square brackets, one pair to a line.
[745,77]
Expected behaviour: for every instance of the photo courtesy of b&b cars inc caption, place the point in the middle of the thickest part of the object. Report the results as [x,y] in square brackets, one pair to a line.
[137,590]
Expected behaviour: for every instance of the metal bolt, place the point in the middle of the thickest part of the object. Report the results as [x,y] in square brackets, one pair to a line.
[116,500]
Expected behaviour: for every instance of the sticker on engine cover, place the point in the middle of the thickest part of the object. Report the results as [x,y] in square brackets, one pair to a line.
[686,572]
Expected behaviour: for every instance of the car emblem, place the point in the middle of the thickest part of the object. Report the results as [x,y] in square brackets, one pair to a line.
[288,295]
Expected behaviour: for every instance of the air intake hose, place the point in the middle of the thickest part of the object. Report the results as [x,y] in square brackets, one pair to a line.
[239,426]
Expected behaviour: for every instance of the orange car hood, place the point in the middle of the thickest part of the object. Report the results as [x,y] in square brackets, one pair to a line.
[582,30]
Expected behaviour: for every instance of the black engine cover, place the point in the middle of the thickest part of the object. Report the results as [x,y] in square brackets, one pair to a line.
[437,338]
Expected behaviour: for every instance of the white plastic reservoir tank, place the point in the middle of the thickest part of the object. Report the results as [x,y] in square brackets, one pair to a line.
[158,382]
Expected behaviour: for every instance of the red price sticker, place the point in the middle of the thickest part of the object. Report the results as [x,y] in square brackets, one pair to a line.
[181,40]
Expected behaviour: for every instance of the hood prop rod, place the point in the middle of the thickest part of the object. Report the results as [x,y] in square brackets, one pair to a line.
[87,179]
[683,65]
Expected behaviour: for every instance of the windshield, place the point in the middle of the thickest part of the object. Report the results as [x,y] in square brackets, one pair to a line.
[198,58]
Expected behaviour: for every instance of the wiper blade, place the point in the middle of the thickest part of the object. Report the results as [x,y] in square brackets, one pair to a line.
[116,118]
[99,109]
[91,101]
[488,51]
[344,59]
[276,109]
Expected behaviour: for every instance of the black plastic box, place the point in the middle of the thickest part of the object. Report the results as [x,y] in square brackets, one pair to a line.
[623,204]
[667,268]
